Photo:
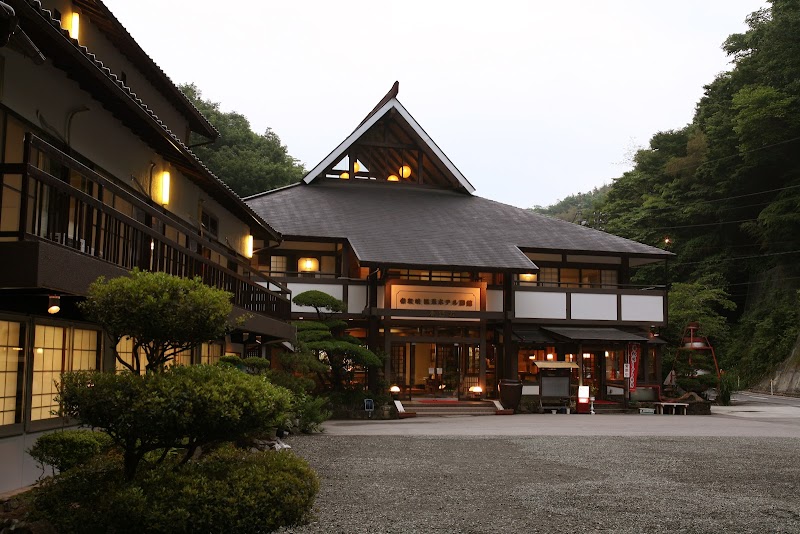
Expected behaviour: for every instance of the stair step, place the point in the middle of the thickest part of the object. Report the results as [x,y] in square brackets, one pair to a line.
[448,407]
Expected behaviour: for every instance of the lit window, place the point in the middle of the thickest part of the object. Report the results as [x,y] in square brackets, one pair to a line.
[56,353]
[12,335]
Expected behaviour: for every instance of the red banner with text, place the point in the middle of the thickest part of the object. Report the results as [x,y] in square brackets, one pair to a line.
[634,353]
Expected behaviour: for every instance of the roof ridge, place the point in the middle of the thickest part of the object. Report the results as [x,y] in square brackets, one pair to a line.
[181,95]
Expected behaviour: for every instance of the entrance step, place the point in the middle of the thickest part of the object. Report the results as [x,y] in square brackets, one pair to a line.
[441,408]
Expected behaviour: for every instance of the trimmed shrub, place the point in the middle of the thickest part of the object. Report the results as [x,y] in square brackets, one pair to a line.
[66,449]
[183,407]
[227,491]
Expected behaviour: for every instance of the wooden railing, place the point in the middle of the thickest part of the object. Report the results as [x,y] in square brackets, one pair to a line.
[79,218]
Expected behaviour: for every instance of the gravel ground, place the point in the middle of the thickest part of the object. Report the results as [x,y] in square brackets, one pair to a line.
[472,484]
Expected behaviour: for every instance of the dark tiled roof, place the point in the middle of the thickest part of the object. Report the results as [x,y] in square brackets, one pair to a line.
[401,224]
[105,20]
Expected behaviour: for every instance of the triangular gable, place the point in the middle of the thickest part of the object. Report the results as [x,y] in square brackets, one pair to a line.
[394,147]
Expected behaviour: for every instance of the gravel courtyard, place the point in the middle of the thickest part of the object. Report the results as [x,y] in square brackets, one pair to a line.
[567,483]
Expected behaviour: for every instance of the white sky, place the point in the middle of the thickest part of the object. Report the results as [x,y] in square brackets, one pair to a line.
[533,101]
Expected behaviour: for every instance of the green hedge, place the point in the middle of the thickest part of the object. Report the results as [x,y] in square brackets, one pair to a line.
[66,449]
[227,491]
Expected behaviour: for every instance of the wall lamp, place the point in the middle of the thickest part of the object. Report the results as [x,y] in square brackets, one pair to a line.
[53,304]
[165,188]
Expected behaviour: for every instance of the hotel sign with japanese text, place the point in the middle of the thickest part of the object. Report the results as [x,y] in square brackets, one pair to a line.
[451,299]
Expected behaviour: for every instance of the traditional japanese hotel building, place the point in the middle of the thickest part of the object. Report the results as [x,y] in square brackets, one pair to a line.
[457,290]
[96,178]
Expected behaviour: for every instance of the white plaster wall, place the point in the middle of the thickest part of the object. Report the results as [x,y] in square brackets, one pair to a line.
[593,306]
[17,469]
[93,39]
[494,300]
[356,299]
[544,305]
[334,290]
[643,308]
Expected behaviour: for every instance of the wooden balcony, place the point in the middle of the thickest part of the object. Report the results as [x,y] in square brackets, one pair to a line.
[70,206]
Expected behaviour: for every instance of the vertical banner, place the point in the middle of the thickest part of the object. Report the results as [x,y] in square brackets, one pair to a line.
[634,351]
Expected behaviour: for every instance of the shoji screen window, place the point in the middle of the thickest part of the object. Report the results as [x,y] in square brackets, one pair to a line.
[12,336]
[56,351]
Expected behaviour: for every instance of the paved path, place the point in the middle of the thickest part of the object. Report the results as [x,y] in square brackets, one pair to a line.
[735,471]
[744,419]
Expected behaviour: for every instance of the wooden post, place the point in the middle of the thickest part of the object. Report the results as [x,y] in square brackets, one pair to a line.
[510,360]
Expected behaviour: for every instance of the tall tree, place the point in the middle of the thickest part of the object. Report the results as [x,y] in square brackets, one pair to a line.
[248,162]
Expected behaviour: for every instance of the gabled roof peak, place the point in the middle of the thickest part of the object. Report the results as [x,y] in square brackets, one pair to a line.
[390,145]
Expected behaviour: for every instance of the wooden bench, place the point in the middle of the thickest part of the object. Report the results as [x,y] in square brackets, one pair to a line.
[678,408]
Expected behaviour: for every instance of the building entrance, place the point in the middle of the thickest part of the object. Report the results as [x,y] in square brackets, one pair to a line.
[442,369]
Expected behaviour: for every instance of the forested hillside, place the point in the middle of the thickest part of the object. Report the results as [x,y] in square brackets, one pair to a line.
[248,162]
[581,208]
[723,194]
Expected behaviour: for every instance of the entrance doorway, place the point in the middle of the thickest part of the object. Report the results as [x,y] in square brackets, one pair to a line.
[442,370]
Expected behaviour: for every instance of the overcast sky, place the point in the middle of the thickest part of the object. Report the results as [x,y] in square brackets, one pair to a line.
[533,101]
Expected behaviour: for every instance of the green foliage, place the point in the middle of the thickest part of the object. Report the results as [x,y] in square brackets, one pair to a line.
[327,339]
[181,408]
[66,449]
[766,333]
[726,388]
[319,301]
[256,366]
[228,490]
[580,208]
[163,314]
[248,162]
[345,402]
[310,412]
[704,302]
[725,190]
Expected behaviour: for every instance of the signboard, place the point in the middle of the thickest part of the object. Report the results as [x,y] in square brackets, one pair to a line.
[451,299]
[626,370]
[634,352]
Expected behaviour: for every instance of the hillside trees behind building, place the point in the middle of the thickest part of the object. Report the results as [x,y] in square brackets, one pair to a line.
[248,162]
[723,194]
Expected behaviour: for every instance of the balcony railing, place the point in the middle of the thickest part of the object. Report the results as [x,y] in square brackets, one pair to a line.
[68,203]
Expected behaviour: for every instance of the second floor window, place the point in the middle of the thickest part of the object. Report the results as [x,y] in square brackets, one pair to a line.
[210,224]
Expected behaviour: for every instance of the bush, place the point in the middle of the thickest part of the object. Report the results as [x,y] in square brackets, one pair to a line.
[226,491]
[69,448]
[726,388]
[184,407]
[310,412]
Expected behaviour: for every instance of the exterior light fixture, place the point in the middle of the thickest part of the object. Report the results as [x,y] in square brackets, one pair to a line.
[395,389]
[356,167]
[527,277]
[550,356]
[476,389]
[248,246]
[404,171]
[392,178]
[53,304]
[345,176]
[75,25]
[165,188]
[308,265]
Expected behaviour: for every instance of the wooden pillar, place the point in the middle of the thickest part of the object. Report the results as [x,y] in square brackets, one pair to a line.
[373,325]
[482,359]
[510,360]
